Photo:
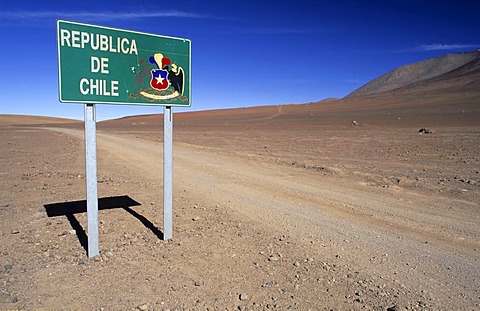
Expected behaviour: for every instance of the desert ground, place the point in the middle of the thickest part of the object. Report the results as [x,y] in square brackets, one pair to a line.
[335,205]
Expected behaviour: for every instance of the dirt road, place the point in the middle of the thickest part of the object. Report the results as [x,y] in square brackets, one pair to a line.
[247,235]
[420,242]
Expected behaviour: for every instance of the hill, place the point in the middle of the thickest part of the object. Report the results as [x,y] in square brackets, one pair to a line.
[458,72]
[443,90]
[12,119]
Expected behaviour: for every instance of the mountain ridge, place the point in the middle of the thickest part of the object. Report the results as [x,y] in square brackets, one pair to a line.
[460,66]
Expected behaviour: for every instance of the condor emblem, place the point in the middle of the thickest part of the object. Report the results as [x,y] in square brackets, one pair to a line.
[167,79]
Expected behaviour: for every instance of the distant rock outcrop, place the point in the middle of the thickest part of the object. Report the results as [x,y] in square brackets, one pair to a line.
[432,74]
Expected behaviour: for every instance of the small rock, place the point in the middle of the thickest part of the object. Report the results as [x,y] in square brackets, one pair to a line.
[243,297]
[354,123]
[15,231]
[143,307]
[273,258]
[394,308]
[72,232]
[426,131]
[198,283]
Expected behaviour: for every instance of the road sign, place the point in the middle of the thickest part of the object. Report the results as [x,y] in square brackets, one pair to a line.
[112,66]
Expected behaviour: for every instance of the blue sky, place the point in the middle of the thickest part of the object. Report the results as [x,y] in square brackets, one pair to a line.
[244,53]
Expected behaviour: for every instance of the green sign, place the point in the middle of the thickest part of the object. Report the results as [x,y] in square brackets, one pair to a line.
[105,65]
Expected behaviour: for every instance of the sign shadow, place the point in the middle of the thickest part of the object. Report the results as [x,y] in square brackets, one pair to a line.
[69,209]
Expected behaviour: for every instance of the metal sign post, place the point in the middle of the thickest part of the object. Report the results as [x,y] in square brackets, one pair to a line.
[91,179]
[167,172]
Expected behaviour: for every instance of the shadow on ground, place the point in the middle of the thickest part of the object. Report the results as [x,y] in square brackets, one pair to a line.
[69,209]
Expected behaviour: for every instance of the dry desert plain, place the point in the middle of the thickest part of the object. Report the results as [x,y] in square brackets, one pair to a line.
[281,207]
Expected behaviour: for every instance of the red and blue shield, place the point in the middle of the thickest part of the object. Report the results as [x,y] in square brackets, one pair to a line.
[159,79]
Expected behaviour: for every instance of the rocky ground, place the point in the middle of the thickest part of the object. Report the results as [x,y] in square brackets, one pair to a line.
[331,216]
